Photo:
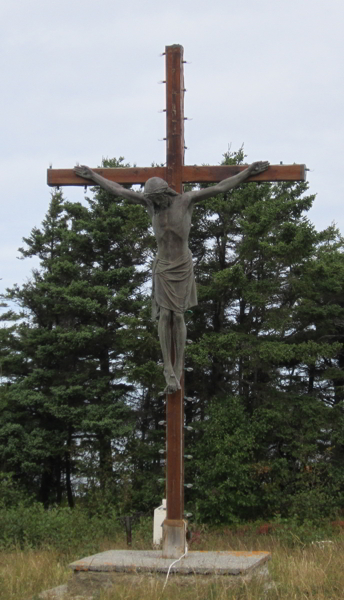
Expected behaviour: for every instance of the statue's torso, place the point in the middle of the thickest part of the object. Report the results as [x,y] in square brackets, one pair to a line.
[171,228]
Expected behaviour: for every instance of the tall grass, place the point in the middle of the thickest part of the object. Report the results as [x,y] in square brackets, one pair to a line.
[25,573]
[309,573]
[299,570]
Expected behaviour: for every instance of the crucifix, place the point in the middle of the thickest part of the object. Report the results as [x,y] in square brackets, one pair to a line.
[173,281]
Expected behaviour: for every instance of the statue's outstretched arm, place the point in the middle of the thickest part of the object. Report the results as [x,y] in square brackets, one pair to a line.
[229,183]
[110,186]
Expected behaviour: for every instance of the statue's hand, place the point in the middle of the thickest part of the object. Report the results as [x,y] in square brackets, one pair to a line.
[259,167]
[83,171]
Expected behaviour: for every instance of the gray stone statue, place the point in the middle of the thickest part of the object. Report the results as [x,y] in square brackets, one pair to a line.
[174,288]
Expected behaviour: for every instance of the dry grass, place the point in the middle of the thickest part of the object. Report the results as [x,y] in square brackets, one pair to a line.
[311,572]
[24,574]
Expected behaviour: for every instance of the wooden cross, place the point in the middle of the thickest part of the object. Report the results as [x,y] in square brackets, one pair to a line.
[176,174]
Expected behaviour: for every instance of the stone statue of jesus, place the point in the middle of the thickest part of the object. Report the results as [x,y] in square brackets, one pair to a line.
[174,288]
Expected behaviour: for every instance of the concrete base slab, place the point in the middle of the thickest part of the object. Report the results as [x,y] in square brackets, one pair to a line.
[103,570]
[152,561]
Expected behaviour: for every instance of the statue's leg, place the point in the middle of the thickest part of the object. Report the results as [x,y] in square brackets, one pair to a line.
[165,337]
[179,336]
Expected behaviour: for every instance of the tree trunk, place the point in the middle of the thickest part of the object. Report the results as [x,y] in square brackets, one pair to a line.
[45,487]
[58,480]
[69,488]
[105,461]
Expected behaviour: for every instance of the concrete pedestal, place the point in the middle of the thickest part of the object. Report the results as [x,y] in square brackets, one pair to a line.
[173,538]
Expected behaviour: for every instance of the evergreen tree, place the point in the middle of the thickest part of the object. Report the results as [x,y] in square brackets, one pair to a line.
[80,399]
[72,401]
[256,251]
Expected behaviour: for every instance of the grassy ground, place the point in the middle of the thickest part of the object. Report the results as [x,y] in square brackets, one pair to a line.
[298,571]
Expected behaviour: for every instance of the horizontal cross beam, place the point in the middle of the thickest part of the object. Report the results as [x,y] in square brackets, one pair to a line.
[190,174]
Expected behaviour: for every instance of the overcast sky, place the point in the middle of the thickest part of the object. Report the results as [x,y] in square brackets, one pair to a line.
[79,81]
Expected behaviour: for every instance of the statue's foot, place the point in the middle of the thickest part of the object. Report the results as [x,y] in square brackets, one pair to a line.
[173,384]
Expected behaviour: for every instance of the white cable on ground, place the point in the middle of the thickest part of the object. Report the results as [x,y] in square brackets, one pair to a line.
[171,565]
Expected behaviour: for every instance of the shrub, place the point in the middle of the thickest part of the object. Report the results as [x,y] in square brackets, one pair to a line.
[61,527]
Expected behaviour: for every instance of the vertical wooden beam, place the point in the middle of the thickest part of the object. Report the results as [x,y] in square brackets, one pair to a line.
[174,526]
[175,116]
[175,454]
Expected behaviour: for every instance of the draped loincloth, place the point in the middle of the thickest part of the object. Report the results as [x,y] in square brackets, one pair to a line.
[173,285]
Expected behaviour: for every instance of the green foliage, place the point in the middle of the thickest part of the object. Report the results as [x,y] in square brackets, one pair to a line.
[70,360]
[59,527]
[79,398]
[267,352]
[225,489]
[11,494]
[296,531]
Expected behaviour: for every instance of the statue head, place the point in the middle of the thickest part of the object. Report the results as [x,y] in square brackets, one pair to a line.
[158,194]
[155,186]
